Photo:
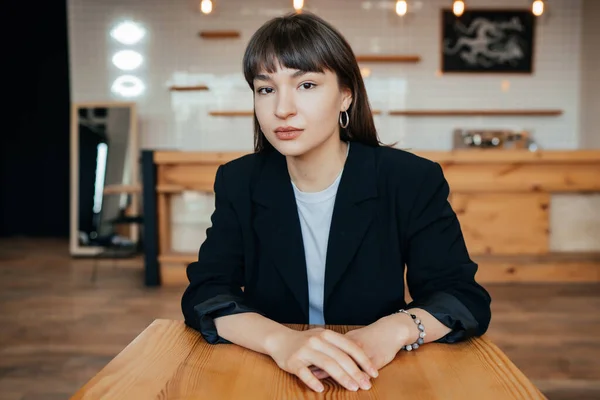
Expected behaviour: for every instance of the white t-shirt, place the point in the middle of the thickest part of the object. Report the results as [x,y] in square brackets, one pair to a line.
[315,211]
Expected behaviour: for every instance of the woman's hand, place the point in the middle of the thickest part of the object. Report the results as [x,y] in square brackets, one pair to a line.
[381,340]
[301,352]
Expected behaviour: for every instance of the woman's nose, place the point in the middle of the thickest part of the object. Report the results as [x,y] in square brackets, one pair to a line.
[285,105]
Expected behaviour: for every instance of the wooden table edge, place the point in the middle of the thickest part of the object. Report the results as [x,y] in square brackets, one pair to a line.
[160,324]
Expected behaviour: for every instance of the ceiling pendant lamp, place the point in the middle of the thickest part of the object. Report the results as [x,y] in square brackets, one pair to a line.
[537,8]
[458,7]
[206,6]
[401,7]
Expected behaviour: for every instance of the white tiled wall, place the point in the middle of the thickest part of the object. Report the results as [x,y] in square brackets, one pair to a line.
[175,54]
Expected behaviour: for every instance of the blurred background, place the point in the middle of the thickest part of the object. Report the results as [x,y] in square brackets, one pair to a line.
[121,111]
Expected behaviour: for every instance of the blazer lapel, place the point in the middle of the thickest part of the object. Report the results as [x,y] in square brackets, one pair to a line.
[277,225]
[352,213]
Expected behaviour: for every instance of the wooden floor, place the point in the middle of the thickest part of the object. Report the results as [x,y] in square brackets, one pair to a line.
[58,329]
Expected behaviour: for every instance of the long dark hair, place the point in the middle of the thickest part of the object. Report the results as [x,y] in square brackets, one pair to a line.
[306,42]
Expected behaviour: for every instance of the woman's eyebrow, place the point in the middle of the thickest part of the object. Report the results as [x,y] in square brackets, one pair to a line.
[263,77]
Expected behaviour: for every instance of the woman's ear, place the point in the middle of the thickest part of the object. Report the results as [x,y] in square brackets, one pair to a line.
[346,98]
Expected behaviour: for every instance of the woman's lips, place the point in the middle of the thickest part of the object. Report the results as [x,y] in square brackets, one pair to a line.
[288,135]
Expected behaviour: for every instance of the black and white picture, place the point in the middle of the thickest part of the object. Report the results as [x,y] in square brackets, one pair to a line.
[488,41]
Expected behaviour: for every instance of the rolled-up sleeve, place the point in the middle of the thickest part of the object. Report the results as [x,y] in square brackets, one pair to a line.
[217,278]
[440,273]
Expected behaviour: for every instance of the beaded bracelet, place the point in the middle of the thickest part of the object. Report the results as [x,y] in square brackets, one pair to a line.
[420,340]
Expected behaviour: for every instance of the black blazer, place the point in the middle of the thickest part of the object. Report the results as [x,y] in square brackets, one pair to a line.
[391,210]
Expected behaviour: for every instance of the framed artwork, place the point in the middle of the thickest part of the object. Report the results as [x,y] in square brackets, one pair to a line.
[488,41]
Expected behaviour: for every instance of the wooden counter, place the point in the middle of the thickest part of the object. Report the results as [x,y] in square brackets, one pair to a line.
[171,361]
[501,197]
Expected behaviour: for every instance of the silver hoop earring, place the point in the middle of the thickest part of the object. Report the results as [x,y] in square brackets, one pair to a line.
[347,119]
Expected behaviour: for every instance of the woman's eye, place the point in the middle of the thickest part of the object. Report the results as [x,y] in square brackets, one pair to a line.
[265,90]
[308,85]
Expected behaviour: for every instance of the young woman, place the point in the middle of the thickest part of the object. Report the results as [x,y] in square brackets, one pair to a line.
[317,225]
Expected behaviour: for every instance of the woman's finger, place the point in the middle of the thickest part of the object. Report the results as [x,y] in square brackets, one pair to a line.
[352,349]
[309,379]
[344,360]
[332,367]
[320,374]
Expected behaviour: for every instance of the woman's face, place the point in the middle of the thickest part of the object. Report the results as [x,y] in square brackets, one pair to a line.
[299,111]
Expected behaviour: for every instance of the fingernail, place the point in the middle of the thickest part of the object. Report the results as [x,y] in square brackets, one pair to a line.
[365,384]
[353,386]
[374,373]
[320,389]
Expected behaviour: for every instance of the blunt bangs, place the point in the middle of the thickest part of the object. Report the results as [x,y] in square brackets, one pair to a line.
[289,43]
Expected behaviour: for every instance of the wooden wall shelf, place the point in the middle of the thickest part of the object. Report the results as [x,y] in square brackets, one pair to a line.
[219,34]
[427,113]
[246,113]
[122,189]
[401,113]
[476,113]
[388,58]
[188,88]
[224,113]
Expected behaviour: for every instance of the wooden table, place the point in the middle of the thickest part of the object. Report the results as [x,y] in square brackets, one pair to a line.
[171,361]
